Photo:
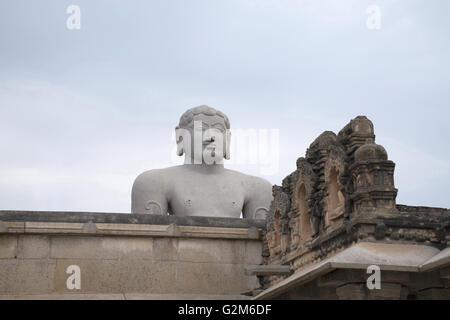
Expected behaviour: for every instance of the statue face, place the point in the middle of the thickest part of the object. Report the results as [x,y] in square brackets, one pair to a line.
[208,138]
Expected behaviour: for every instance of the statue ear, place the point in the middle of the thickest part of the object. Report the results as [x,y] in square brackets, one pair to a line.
[227,144]
[179,140]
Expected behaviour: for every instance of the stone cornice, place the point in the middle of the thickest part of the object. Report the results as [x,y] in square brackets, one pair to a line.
[96,223]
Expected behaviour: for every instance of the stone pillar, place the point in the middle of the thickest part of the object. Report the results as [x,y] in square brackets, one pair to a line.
[352,291]
[434,294]
[359,291]
[388,291]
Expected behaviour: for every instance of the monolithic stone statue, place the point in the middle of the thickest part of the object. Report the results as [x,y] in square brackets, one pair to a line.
[201,186]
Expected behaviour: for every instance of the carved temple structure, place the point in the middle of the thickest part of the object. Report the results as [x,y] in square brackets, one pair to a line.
[336,215]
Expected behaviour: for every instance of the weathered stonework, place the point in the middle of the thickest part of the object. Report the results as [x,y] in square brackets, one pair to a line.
[127,256]
[342,194]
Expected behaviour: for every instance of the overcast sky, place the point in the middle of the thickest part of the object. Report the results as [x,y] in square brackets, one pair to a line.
[83,112]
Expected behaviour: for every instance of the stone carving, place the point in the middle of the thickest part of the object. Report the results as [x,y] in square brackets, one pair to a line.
[302,220]
[334,168]
[277,221]
[373,177]
[201,186]
[339,176]
[345,183]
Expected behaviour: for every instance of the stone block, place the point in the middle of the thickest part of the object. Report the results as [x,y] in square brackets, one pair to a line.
[110,247]
[434,294]
[214,278]
[214,251]
[352,291]
[445,273]
[267,270]
[165,249]
[311,291]
[33,247]
[424,280]
[139,276]
[118,276]
[343,276]
[26,276]
[95,276]
[388,291]
[253,252]
[340,277]
[8,246]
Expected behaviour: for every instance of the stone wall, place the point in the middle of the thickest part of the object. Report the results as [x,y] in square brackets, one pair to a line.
[127,255]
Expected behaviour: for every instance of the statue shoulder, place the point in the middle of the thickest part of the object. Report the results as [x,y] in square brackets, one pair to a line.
[253,184]
[149,192]
[259,185]
[254,187]
[150,179]
[149,176]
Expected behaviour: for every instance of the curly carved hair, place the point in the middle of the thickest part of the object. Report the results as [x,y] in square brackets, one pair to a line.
[188,116]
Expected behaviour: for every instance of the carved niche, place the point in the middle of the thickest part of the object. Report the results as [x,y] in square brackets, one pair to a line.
[277,222]
[304,188]
[334,201]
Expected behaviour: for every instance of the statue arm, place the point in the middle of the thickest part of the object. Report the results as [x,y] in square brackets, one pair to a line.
[258,199]
[148,194]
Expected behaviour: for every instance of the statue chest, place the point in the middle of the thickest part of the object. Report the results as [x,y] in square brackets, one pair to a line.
[207,199]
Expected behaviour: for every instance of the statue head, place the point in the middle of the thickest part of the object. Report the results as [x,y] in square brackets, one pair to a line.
[203,130]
